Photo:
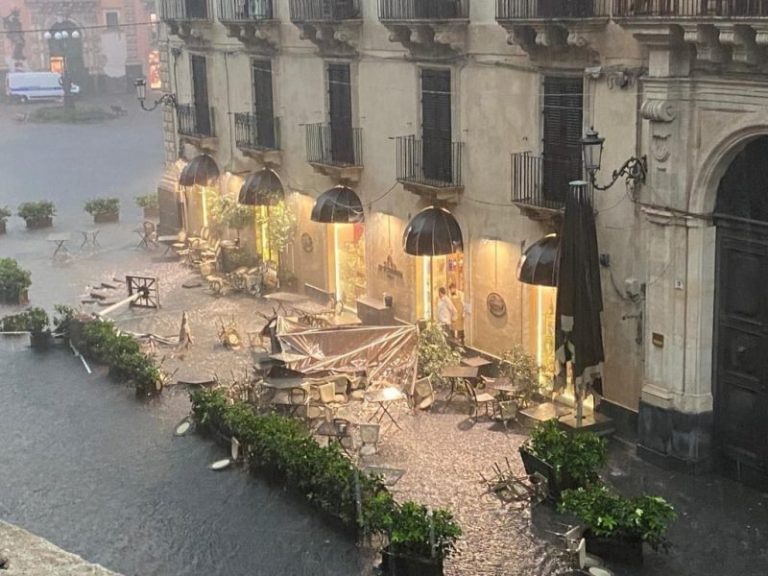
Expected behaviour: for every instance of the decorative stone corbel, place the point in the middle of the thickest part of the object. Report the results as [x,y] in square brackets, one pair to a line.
[706,38]
[658,111]
[741,40]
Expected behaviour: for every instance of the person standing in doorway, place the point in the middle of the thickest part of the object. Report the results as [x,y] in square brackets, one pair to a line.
[457,299]
[446,311]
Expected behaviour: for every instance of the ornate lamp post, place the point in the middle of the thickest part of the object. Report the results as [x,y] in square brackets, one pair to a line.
[141,95]
[634,169]
[65,40]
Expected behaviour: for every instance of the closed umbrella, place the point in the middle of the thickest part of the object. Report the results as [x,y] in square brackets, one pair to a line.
[339,205]
[578,330]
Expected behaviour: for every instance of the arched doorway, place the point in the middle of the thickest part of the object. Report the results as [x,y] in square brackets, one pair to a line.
[740,385]
[65,51]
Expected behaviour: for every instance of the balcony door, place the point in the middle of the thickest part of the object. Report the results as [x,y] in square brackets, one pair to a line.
[263,105]
[200,95]
[436,128]
[563,125]
[340,112]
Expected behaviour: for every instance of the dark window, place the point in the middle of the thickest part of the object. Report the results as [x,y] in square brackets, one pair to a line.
[340,112]
[112,19]
[436,130]
[563,125]
[263,105]
[200,94]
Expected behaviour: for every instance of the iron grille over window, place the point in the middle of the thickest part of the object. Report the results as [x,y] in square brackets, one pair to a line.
[182,10]
[537,9]
[423,9]
[195,121]
[255,132]
[563,126]
[324,10]
[528,181]
[690,8]
[245,10]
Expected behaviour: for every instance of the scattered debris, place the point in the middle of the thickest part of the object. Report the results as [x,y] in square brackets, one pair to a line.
[509,487]
[192,284]
[98,295]
[185,334]
[221,464]
[183,427]
[229,336]
[109,286]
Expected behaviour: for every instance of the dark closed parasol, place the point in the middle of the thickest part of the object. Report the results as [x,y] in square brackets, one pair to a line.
[538,265]
[200,171]
[578,331]
[339,205]
[262,188]
[433,232]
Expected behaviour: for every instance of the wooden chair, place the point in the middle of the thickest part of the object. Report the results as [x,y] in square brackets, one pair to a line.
[422,394]
[369,438]
[478,399]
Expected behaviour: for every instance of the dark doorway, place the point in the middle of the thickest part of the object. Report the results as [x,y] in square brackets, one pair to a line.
[741,321]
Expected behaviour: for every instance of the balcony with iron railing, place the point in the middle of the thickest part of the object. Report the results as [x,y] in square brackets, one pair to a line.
[197,126]
[182,16]
[336,151]
[332,25]
[427,28]
[430,167]
[555,24]
[539,184]
[258,136]
[252,22]
[722,31]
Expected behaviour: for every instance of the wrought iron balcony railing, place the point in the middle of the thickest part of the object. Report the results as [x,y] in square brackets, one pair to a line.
[433,162]
[185,10]
[334,146]
[257,132]
[324,10]
[428,10]
[194,121]
[691,9]
[540,182]
[245,10]
[528,10]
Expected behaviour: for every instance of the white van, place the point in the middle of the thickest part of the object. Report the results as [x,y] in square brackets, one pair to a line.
[28,86]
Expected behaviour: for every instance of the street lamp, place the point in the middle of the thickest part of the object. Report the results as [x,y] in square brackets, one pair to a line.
[64,39]
[635,169]
[141,95]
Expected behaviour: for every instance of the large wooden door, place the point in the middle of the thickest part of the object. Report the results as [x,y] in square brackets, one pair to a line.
[200,95]
[741,378]
[436,125]
[340,108]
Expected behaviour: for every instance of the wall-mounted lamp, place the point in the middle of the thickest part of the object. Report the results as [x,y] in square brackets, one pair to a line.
[141,95]
[635,169]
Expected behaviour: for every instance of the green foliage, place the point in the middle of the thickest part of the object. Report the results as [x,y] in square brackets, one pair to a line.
[31,320]
[325,477]
[13,280]
[36,211]
[435,352]
[606,513]
[62,320]
[227,212]
[5,213]
[104,344]
[282,225]
[520,367]
[148,201]
[102,206]
[577,456]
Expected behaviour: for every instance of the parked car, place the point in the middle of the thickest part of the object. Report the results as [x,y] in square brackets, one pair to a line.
[29,86]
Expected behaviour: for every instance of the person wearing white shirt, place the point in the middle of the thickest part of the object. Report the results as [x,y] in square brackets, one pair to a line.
[446,311]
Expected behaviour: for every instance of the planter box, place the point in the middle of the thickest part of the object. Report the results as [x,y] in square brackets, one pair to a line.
[534,464]
[40,341]
[22,299]
[37,223]
[105,218]
[619,549]
[2,227]
[394,565]
[151,213]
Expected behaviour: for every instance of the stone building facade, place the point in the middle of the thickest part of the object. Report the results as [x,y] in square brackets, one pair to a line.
[477,107]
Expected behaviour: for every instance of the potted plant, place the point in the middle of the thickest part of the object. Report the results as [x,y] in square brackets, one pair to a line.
[616,527]
[565,460]
[103,209]
[435,352]
[521,369]
[14,282]
[151,205]
[39,328]
[37,214]
[5,213]
[419,540]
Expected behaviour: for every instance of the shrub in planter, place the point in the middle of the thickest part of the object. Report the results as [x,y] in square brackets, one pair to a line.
[151,205]
[5,213]
[37,214]
[435,352]
[565,460]
[14,282]
[618,526]
[33,320]
[103,209]
[521,369]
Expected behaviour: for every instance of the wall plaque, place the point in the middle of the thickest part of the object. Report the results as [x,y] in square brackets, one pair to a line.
[496,305]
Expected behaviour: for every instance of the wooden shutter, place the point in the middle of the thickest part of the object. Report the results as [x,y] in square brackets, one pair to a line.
[200,95]
[563,125]
[263,104]
[436,130]
[340,111]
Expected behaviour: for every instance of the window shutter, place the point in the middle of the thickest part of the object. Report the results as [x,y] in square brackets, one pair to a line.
[340,111]
[200,95]
[563,125]
[263,105]
[436,129]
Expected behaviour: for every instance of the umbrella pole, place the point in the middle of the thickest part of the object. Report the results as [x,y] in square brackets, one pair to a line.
[431,292]
[579,398]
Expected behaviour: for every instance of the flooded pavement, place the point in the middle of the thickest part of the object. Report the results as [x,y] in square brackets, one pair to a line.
[87,466]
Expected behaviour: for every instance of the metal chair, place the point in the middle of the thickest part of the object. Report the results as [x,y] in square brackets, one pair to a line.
[422,394]
[481,399]
[298,398]
[148,234]
[369,438]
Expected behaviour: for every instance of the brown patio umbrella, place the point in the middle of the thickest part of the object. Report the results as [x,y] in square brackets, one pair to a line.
[578,330]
